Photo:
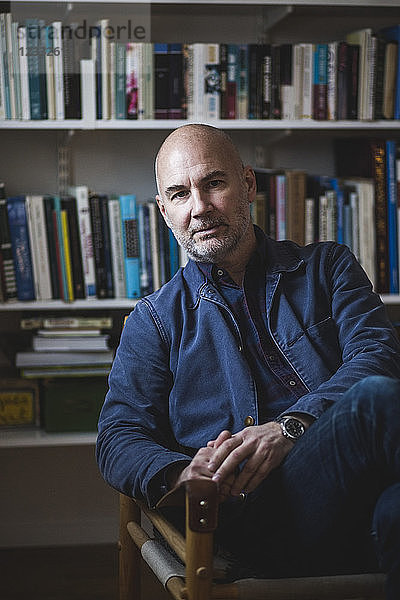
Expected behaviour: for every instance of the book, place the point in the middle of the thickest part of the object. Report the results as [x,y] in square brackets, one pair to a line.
[58,70]
[69,204]
[69,332]
[52,242]
[36,68]
[98,246]
[20,247]
[242,96]
[130,244]
[175,79]
[69,296]
[8,281]
[81,193]
[74,343]
[392,34]
[71,74]
[146,270]
[155,245]
[50,81]
[39,247]
[88,89]
[392,201]
[332,72]
[298,70]
[46,359]
[211,96]
[60,245]
[320,82]
[363,39]
[120,81]
[285,80]
[296,182]
[67,322]
[19,403]
[132,80]
[389,80]
[65,371]
[161,81]
[117,252]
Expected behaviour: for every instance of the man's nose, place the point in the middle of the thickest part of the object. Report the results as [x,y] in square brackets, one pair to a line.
[200,203]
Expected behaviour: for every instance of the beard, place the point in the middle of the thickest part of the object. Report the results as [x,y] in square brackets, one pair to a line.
[214,247]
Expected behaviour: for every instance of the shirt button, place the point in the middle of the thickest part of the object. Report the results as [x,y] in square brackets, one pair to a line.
[240,348]
[220,272]
[292,382]
[249,421]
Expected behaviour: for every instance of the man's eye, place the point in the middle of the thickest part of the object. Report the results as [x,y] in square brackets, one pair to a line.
[179,195]
[214,183]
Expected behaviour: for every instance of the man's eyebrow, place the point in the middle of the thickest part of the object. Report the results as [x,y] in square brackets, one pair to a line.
[212,175]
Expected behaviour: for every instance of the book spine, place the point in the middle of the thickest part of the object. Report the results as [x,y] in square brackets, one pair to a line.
[11,70]
[161,76]
[146,271]
[379,78]
[353,199]
[7,263]
[67,255]
[173,253]
[231,82]
[120,81]
[39,247]
[60,247]
[391,184]
[52,248]
[105,228]
[320,82]
[21,248]
[4,68]
[32,29]
[253,74]
[352,84]
[69,205]
[223,75]
[332,70]
[88,90]
[98,246]
[132,80]
[130,244]
[71,75]
[86,239]
[188,80]
[296,192]
[51,92]
[16,67]
[298,52]
[266,94]
[243,99]
[280,207]
[175,62]
[58,70]
[105,68]
[286,81]
[342,81]
[117,253]
[211,82]
[155,248]
[382,259]
[308,64]
[276,98]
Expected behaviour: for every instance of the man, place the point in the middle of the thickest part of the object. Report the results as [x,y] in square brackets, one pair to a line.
[253,367]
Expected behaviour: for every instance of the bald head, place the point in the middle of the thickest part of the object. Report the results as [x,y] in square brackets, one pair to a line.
[196,135]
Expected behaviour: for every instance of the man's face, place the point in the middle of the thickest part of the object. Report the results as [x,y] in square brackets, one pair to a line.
[204,199]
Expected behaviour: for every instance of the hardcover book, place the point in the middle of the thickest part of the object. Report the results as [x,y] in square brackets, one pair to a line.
[20,247]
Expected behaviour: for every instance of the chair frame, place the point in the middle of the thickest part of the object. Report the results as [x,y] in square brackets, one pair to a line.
[195,550]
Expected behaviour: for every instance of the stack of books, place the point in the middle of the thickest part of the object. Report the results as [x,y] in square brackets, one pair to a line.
[66,352]
[59,75]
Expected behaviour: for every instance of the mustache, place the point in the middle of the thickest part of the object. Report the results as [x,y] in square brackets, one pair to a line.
[206,224]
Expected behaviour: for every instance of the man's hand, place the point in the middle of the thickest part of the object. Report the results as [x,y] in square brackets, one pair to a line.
[199,469]
[263,447]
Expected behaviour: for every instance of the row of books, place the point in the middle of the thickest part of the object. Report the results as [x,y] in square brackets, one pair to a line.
[48,72]
[83,245]
[360,207]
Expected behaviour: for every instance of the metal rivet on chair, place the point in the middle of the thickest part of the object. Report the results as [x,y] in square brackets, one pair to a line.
[203,522]
[203,503]
[202,572]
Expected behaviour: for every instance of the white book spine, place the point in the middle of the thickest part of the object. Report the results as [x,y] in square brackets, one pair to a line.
[16,67]
[112,80]
[149,65]
[11,72]
[117,252]
[58,71]
[188,80]
[308,70]
[24,74]
[332,81]
[155,248]
[309,208]
[331,223]
[2,82]
[198,81]
[81,193]
[39,247]
[298,80]
[371,72]
[88,90]
[323,219]
[105,68]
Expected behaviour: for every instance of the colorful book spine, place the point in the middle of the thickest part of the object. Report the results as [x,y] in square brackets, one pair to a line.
[21,248]
[130,244]
[392,34]
[120,81]
[81,193]
[7,268]
[60,245]
[117,252]
[68,203]
[391,186]
[320,82]
[67,256]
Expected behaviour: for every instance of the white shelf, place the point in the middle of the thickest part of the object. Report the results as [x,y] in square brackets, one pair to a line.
[371,3]
[243,124]
[36,438]
[95,304]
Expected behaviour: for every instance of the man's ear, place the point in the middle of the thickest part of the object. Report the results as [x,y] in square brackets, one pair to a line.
[250,179]
[160,205]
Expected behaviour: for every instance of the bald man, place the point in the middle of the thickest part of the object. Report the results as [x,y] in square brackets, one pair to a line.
[268,367]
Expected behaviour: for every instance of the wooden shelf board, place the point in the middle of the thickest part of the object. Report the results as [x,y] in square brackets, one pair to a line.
[35,438]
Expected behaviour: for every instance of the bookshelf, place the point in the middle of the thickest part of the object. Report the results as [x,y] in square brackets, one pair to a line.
[54,466]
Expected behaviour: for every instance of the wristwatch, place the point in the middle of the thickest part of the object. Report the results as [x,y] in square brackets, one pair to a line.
[292,428]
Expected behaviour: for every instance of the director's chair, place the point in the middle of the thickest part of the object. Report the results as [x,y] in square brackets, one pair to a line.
[191,572]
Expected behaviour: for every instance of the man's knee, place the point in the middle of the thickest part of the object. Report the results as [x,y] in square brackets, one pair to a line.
[377,392]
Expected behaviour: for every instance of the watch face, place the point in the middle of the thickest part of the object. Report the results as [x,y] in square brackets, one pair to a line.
[294,428]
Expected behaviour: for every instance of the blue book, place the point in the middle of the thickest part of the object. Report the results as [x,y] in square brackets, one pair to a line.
[173,254]
[120,80]
[391,187]
[320,82]
[392,34]
[21,251]
[35,45]
[131,244]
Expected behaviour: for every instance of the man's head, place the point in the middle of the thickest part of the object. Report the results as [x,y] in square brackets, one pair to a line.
[205,192]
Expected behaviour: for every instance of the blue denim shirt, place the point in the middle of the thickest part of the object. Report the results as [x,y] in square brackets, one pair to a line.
[180,377]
